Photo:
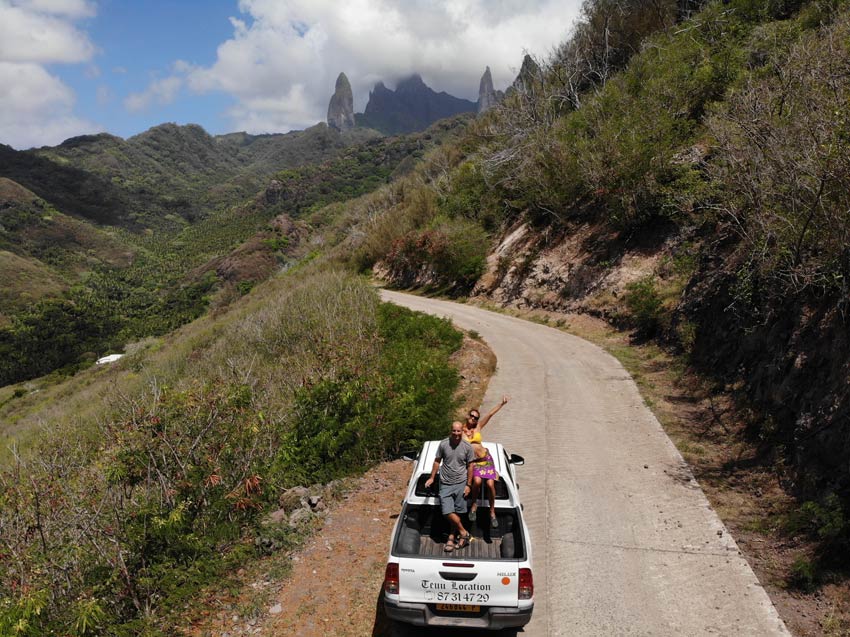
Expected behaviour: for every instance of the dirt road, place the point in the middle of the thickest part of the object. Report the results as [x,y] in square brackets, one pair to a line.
[625,542]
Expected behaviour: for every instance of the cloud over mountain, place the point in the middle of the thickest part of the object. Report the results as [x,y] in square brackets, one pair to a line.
[36,107]
[284,57]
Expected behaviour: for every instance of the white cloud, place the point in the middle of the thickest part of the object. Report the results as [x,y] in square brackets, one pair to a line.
[69,8]
[283,58]
[163,91]
[36,108]
[30,36]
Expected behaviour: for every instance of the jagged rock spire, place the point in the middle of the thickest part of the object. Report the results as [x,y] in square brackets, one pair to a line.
[486,95]
[341,107]
[528,73]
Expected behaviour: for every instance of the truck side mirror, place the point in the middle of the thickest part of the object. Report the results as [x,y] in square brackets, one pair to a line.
[410,456]
[516,459]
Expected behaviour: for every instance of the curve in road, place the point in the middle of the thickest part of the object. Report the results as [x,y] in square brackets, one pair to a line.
[625,542]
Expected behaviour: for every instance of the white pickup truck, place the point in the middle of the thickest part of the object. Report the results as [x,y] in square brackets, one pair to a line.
[488,584]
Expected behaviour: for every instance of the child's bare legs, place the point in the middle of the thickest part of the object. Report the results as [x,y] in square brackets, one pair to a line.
[473,496]
[491,488]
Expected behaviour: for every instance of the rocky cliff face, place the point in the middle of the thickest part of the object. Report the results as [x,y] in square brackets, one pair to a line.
[341,107]
[413,106]
[487,96]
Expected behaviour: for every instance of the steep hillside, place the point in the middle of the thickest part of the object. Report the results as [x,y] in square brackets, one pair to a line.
[43,252]
[71,189]
[32,227]
[158,470]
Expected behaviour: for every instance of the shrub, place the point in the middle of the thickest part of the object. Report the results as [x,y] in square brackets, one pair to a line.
[469,196]
[804,574]
[450,254]
[360,417]
[644,304]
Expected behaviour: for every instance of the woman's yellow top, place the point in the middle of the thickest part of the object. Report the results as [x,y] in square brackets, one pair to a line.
[475,438]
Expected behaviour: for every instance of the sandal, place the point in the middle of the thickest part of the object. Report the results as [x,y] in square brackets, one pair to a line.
[463,542]
[450,545]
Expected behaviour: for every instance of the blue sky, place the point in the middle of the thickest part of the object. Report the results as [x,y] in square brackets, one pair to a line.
[70,67]
[138,42]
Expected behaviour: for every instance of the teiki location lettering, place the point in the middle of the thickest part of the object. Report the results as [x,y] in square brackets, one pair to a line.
[454,586]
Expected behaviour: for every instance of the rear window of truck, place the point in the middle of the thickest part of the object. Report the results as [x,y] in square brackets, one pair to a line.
[421,491]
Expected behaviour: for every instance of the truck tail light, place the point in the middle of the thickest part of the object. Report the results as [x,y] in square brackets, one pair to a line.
[391,579]
[526,584]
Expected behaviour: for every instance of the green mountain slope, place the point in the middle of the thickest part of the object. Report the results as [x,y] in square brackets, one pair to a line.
[181,171]
[44,252]
[144,273]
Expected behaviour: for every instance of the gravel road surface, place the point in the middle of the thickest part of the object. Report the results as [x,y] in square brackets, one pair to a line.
[624,540]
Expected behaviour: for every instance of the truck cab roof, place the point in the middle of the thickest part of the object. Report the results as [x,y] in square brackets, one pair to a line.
[506,487]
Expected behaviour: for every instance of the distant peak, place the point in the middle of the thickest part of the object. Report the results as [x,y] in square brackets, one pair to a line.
[414,81]
[412,106]
[86,139]
[528,73]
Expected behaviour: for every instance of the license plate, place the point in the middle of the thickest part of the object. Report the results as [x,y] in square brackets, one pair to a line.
[459,608]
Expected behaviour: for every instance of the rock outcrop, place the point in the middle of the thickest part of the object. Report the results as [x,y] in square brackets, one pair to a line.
[413,106]
[529,72]
[341,107]
[487,96]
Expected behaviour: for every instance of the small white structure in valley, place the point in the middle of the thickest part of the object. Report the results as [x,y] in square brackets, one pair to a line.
[109,359]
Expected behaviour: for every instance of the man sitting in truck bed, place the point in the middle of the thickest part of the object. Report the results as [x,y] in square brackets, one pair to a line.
[454,460]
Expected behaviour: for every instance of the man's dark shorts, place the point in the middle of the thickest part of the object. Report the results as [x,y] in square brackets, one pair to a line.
[451,498]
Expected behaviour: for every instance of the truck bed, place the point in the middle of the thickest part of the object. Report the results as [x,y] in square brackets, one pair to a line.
[478,548]
[423,532]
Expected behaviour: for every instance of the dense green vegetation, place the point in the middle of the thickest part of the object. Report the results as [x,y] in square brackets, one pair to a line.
[166,174]
[104,531]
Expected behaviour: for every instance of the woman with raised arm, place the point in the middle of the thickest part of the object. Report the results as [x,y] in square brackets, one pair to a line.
[484,467]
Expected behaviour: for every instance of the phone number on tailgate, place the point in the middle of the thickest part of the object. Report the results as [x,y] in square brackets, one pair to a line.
[475,598]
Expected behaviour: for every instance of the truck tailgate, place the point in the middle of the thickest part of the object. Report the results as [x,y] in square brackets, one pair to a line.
[459,582]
